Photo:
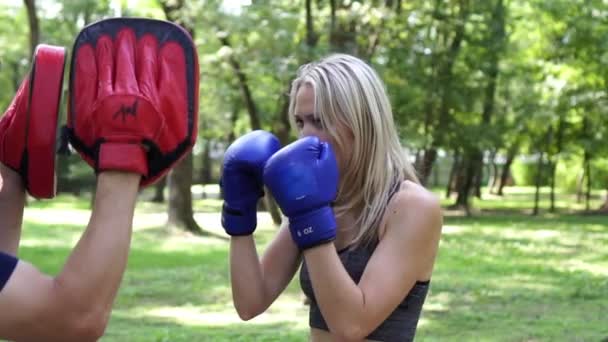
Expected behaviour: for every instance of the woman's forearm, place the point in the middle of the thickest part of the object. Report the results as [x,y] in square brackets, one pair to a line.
[341,301]
[246,276]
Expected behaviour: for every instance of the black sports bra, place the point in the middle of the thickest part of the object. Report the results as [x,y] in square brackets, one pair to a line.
[402,322]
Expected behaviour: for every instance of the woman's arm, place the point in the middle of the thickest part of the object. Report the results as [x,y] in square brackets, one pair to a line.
[405,254]
[257,283]
[76,304]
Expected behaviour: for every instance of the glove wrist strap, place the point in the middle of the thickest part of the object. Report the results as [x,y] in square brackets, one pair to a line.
[122,157]
[238,222]
[313,228]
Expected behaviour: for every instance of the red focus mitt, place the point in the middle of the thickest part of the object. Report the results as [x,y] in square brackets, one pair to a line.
[28,128]
[133,96]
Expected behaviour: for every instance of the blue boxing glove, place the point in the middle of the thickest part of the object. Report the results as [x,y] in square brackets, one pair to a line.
[303,178]
[242,180]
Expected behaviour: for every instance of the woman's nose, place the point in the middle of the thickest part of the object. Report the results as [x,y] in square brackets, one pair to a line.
[308,130]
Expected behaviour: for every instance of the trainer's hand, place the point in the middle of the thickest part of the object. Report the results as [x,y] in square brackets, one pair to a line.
[133,96]
[242,180]
[303,178]
[29,125]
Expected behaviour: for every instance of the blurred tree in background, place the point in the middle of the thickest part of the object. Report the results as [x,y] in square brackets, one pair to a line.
[485,93]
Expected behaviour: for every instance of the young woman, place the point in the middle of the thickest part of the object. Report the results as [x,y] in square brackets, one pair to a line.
[363,229]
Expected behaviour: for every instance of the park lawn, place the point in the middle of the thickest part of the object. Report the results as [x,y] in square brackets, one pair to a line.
[499,276]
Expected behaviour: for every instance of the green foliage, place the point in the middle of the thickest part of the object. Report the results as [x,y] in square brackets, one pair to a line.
[525,173]
[568,173]
[14,50]
[600,167]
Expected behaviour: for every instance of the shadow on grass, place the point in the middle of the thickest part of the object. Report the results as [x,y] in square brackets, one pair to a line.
[207,205]
[176,278]
[123,328]
[46,231]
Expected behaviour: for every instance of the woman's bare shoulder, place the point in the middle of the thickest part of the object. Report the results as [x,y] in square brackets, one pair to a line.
[414,207]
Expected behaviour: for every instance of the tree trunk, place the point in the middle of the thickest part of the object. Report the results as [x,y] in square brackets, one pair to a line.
[33,23]
[159,191]
[446,78]
[342,36]
[464,186]
[180,213]
[493,173]
[478,176]
[436,172]
[550,160]
[332,16]
[496,40]
[282,126]
[332,21]
[555,158]
[580,180]
[454,170]
[206,163]
[466,183]
[252,110]
[430,155]
[425,166]
[418,159]
[553,169]
[179,180]
[234,116]
[506,169]
[231,136]
[86,16]
[254,118]
[374,37]
[281,130]
[311,36]
[588,173]
[539,171]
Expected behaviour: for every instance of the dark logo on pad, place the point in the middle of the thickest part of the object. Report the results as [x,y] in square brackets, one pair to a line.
[125,111]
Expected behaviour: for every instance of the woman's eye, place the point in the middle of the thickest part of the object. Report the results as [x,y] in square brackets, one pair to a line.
[299,123]
[317,122]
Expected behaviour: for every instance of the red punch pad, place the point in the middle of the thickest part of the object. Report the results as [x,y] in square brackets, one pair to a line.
[28,128]
[134,87]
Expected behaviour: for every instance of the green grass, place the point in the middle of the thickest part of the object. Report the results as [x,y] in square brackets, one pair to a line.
[499,276]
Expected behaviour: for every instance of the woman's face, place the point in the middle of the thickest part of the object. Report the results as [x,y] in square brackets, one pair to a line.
[309,124]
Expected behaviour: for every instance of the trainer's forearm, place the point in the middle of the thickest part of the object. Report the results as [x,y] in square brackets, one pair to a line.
[246,276]
[12,199]
[94,270]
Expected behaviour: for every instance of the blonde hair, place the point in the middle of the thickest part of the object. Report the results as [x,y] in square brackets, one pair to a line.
[349,93]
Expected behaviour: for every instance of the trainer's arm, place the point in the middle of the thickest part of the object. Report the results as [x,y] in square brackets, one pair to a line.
[257,283]
[12,199]
[76,305]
